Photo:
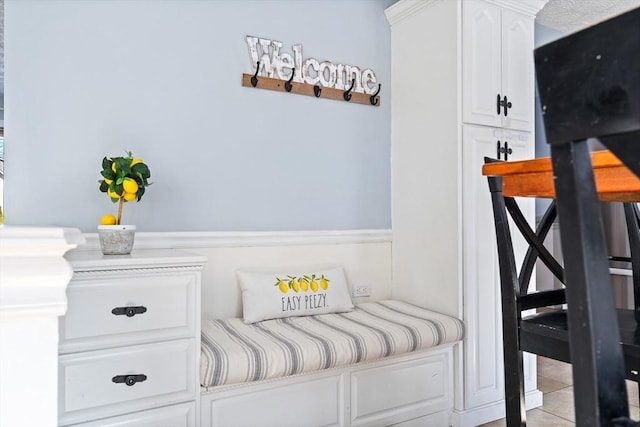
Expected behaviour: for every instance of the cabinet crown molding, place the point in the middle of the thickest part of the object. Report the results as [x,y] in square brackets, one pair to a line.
[529,7]
[34,273]
[406,8]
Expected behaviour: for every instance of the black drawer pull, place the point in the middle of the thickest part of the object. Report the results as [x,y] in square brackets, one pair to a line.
[129,379]
[129,311]
[503,103]
[506,150]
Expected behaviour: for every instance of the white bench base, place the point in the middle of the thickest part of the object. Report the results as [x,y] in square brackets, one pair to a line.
[398,390]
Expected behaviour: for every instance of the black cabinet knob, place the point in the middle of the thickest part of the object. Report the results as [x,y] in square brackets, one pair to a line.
[129,379]
[129,311]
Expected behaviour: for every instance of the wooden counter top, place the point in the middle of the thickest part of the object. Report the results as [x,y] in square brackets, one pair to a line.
[534,178]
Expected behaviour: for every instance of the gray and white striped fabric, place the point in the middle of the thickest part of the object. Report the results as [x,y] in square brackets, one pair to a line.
[234,352]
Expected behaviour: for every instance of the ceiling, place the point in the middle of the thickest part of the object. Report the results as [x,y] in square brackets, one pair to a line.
[569,16]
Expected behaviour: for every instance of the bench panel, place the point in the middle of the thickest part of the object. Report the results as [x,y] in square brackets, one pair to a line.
[309,402]
[419,386]
[422,385]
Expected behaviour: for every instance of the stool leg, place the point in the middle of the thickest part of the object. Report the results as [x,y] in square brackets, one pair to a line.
[513,365]
[598,367]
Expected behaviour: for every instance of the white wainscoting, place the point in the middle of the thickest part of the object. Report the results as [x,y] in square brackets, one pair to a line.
[364,254]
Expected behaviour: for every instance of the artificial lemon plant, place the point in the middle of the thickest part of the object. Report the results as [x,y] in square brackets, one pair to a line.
[124,180]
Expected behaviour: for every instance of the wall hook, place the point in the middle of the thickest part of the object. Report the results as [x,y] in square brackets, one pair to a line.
[372,98]
[287,85]
[347,94]
[317,90]
[254,79]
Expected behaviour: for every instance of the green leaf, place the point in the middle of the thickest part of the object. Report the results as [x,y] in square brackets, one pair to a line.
[122,166]
[103,186]
[142,169]
[119,180]
[140,193]
[108,173]
[106,163]
[138,177]
[118,189]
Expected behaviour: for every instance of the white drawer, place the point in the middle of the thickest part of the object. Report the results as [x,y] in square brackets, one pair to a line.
[183,415]
[310,402]
[420,387]
[169,310]
[87,389]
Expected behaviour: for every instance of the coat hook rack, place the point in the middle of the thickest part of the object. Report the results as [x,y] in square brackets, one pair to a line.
[287,85]
[373,99]
[347,93]
[315,90]
[254,79]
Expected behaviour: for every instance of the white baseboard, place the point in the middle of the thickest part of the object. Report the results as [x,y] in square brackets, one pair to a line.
[494,411]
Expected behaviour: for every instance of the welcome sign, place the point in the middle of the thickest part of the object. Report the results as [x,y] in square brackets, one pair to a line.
[276,63]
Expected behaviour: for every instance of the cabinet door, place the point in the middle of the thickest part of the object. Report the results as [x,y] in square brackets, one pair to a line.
[517,70]
[481,49]
[483,359]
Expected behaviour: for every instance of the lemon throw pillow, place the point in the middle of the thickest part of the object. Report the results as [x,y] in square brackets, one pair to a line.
[301,292]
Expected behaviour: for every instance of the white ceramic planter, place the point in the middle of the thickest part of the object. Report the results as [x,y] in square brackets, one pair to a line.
[116,239]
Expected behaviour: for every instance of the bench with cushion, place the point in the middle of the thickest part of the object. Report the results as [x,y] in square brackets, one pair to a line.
[383,363]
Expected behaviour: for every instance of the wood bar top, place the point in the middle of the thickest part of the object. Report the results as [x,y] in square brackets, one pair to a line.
[534,178]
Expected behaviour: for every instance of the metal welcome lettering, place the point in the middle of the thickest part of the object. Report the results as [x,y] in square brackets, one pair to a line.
[277,64]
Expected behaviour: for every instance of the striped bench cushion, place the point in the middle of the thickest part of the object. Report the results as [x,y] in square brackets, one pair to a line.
[233,352]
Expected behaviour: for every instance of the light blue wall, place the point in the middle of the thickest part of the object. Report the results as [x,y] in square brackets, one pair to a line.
[85,79]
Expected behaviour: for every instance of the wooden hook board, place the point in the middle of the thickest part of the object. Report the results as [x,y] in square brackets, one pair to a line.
[307,89]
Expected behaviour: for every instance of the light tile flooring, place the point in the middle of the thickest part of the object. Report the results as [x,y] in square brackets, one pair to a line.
[554,381]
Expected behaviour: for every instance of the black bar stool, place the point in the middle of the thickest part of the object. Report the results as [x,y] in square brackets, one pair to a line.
[589,86]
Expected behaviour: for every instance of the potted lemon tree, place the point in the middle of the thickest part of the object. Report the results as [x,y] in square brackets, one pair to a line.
[124,179]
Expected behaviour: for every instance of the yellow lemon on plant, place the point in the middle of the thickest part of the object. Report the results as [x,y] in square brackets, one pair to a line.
[108,219]
[108,181]
[113,167]
[130,186]
[129,197]
[113,194]
[135,162]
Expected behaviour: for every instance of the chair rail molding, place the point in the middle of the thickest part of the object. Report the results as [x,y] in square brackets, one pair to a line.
[222,239]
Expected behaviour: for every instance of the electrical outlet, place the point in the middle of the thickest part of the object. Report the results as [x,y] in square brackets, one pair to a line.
[362,291]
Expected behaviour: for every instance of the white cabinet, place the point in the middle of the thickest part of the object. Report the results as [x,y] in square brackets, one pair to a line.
[444,250]
[497,73]
[482,308]
[130,340]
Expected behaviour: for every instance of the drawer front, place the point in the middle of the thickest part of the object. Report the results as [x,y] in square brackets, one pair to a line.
[183,415]
[88,390]
[315,402]
[420,387]
[165,305]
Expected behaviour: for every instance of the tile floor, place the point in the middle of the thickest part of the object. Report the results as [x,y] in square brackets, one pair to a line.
[554,381]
